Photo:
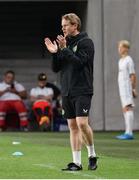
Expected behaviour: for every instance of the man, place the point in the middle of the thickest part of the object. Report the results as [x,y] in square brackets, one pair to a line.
[41,97]
[127,88]
[11,95]
[73,56]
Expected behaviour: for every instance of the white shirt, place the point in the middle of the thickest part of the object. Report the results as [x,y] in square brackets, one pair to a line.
[10,95]
[126,68]
[41,91]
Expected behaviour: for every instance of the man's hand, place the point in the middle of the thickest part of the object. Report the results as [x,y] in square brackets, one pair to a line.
[40,97]
[13,90]
[61,41]
[7,90]
[135,95]
[52,47]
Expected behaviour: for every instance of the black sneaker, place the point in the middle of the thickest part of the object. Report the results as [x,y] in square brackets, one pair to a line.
[72,167]
[92,163]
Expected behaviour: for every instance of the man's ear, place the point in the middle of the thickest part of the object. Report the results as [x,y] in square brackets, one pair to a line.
[75,26]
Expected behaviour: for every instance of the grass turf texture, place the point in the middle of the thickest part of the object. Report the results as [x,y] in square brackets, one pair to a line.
[46,153]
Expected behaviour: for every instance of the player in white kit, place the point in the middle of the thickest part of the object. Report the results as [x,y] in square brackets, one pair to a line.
[127,85]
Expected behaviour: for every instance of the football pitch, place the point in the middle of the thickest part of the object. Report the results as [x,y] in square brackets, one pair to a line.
[44,154]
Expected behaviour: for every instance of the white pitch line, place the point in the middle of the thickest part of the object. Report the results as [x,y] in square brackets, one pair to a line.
[3,158]
[51,166]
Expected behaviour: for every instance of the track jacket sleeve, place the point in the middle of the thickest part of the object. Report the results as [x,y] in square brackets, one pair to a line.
[57,61]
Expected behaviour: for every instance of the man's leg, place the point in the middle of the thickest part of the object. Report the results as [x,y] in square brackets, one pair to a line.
[22,112]
[75,135]
[83,104]
[3,110]
[87,134]
[129,119]
[75,141]
[127,106]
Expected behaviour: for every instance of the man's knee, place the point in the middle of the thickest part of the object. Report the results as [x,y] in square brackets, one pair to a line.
[3,106]
[72,125]
[82,123]
[20,107]
[127,108]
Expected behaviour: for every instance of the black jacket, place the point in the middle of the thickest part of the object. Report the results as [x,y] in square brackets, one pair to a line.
[76,65]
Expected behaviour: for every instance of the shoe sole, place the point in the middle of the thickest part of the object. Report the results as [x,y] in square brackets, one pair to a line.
[93,168]
[71,170]
[124,138]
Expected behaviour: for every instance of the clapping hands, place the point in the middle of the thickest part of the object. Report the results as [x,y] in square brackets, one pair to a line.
[52,46]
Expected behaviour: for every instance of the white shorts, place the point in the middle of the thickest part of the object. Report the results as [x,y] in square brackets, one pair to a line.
[127,100]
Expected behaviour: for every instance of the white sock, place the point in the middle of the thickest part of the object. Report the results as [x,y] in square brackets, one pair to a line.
[91,151]
[129,119]
[76,157]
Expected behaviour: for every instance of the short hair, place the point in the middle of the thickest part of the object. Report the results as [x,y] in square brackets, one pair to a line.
[73,19]
[42,77]
[9,72]
[125,43]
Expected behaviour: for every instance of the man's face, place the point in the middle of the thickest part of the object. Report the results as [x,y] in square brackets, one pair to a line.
[122,50]
[42,83]
[9,78]
[68,28]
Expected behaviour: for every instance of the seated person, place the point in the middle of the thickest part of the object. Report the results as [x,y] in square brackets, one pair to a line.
[41,98]
[58,119]
[11,99]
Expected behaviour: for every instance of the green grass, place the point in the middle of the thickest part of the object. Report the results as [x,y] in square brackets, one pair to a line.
[46,153]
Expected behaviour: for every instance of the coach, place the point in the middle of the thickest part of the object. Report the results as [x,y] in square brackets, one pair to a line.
[73,55]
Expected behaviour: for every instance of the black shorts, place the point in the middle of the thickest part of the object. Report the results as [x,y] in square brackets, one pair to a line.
[76,106]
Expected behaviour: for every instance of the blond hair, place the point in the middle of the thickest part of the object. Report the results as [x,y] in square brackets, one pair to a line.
[125,43]
[73,19]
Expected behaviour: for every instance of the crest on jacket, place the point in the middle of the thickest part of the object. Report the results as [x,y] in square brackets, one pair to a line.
[74,48]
